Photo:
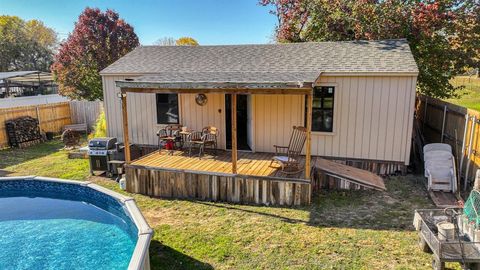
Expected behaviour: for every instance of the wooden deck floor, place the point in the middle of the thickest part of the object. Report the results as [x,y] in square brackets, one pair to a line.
[251,164]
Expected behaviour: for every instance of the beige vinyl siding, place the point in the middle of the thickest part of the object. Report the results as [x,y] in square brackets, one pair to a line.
[196,117]
[373,117]
[142,113]
[275,115]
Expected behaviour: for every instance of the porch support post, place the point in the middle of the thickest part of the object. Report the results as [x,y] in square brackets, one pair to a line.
[308,151]
[234,133]
[125,126]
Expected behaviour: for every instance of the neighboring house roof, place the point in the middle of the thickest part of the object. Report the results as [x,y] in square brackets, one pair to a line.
[26,75]
[269,63]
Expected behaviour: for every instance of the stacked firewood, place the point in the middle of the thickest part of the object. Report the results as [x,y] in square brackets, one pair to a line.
[23,131]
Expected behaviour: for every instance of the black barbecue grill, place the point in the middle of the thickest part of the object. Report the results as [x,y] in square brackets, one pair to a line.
[102,151]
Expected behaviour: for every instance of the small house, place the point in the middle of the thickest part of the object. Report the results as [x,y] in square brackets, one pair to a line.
[355,98]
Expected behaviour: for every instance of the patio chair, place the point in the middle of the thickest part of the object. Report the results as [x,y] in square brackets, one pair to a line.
[287,156]
[208,138]
[192,138]
[169,133]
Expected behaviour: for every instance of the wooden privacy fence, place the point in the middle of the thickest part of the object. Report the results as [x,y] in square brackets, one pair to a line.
[458,126]
[52,117]
[85,112]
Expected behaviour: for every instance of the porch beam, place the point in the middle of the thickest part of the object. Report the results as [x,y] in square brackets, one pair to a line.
[234,133]
[262,91]
[126,140]
[211,85]
[308,151]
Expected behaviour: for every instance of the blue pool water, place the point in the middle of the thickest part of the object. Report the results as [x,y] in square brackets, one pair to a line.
[46,225]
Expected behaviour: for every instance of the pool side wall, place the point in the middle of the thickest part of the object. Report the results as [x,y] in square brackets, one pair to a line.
[140,258]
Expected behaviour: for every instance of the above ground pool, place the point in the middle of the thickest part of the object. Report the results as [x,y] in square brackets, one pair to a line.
[50,223]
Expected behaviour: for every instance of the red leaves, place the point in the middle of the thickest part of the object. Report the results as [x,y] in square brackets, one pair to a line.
[98,39]
[443,34]
[292,15]
[430,17]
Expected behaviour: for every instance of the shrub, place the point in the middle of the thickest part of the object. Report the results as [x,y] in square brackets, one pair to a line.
[100,128]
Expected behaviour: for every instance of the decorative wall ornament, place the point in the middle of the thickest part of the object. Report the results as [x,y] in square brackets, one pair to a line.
[201,99]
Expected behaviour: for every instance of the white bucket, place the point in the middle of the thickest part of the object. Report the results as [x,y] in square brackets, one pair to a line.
[123,183]
[446,231]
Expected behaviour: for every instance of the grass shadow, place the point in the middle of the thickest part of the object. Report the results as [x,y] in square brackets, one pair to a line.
[165,257]
[234,207]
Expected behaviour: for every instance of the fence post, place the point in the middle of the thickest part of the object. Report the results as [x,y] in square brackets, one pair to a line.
[443,122]
[85,113]
[38,117]
[465,130]
[469,154]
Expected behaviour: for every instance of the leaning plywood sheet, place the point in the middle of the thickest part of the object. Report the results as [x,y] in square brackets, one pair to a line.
[355,175]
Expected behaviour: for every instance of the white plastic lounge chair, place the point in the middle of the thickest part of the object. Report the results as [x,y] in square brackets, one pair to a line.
[437,147]
[440,167]
[442,178]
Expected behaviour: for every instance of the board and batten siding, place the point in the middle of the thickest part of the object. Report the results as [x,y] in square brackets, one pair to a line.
[142,114]
[196,117]
[373,117]
[275,115]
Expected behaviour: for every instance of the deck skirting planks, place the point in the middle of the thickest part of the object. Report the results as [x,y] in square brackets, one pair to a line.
[211,187]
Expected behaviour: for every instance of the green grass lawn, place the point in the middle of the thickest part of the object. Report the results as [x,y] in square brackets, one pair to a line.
[469,96]
[340,230]
[46,159]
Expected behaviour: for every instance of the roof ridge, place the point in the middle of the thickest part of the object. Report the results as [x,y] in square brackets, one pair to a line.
[278,44]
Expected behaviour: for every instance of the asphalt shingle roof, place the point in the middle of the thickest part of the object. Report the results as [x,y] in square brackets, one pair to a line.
[292,62]
[26,76]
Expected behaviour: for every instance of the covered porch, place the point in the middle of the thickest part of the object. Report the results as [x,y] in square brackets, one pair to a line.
[233,176]
[210,178]
[249,164]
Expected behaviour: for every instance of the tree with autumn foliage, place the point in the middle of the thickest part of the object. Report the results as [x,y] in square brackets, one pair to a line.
[443,35]
[98,39]
[170,41]
[25,45]
[186,41]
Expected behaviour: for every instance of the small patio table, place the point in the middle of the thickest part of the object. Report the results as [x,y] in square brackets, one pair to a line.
[184,135]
